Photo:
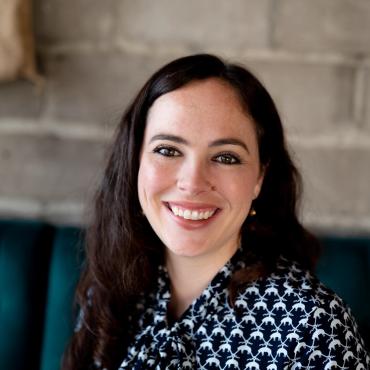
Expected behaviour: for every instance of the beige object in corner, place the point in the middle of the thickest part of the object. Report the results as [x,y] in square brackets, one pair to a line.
[17,46]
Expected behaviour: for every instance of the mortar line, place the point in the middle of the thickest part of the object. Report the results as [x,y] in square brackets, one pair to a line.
[147,49]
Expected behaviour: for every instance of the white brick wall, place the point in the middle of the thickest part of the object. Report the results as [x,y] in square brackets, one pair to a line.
[339,26]
[313,56]
[313,98]
[90,87]
[48,167]
[196,24]
[76,21]
[337,185]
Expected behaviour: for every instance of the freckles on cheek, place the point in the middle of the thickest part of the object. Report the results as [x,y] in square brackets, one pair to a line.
[151,179]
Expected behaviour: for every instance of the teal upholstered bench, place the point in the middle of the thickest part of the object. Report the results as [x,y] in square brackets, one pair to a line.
[39,267]
[345,267]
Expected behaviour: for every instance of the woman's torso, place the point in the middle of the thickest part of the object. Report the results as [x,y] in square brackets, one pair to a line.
[288,320]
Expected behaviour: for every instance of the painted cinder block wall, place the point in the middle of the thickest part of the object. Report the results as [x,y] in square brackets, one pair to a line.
[313,56]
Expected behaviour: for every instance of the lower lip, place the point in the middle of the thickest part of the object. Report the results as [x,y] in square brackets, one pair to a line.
[192,224]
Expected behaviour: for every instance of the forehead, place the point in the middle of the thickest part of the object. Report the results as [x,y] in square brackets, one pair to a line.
[211,88]
[210,107]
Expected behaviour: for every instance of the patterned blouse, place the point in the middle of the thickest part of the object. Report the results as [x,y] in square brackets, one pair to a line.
[288,320]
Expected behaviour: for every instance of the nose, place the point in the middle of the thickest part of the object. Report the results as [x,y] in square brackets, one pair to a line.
[194,178]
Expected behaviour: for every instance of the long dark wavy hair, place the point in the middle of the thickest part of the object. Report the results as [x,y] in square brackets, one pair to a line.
[122,250]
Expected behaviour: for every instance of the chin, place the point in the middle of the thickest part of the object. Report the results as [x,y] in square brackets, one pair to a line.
[186,250]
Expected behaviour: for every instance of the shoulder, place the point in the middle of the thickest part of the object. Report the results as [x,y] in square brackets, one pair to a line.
[288,287]
[310,320]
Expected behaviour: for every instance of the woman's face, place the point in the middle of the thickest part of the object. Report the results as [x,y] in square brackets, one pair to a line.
[199,169]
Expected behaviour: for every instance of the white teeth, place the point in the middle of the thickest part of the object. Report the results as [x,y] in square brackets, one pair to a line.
[192,215]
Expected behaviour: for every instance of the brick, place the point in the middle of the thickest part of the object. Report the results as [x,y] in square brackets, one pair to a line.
[79,20]
[20,99]
[64,212]
[46,168]
[336,181]
[316,25]
[311,98]
[195,24]
[94,87]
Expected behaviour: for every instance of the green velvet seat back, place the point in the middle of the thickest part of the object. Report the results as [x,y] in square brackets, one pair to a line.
[24,265]
[64,271]
[345,267]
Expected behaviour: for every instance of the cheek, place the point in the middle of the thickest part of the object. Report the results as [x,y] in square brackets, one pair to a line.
[152,179]
[241,192]
[239,189]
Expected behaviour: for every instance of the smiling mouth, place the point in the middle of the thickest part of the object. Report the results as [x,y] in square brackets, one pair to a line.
[192,214]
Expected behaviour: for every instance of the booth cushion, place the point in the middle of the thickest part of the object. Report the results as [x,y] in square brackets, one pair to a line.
[64,271]
[24,266]
[345,268]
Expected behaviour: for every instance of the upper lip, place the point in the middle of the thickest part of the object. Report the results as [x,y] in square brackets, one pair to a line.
[192,205]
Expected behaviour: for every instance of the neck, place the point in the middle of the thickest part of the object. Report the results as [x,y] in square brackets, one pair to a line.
[190,276]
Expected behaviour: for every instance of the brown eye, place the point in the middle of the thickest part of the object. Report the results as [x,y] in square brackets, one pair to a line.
[167,151]
[227,158]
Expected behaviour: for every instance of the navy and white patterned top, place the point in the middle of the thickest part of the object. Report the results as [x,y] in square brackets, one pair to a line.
[288,320]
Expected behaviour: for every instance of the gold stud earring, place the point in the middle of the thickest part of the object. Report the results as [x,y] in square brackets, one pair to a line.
[252,212]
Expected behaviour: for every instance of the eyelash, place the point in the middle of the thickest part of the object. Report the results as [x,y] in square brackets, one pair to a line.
[234,159]
[164,148]
[168,151]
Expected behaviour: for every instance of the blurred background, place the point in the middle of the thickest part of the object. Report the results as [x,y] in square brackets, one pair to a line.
[68,69]
[313,56]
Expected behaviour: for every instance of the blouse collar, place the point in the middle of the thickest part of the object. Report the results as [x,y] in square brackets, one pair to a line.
[159,342]
[212,299]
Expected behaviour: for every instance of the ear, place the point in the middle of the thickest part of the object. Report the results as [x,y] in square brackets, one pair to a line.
[258,186]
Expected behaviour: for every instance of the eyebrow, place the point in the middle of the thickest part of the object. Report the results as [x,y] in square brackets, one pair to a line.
[229,141]
[215,143]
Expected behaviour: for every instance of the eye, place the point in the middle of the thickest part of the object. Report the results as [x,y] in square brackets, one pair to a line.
[167,151]
[227,158]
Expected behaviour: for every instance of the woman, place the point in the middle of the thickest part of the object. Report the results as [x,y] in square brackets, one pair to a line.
[196,258]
